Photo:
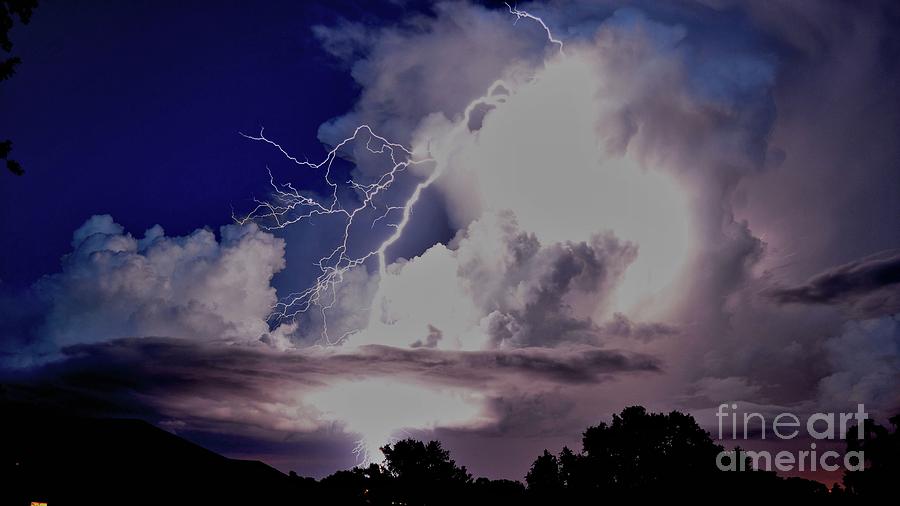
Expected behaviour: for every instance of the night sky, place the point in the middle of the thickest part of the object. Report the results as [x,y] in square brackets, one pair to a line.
[679,204]
[134,110]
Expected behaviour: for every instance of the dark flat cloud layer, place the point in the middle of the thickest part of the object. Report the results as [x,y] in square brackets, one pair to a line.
[868,283]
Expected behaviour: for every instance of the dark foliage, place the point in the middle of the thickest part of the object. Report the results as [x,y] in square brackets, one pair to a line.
[882,450]
[654,456]
[9,11]
[639,456]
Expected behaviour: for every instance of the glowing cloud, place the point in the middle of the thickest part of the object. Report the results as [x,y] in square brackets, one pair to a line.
[557,232]
[377,409]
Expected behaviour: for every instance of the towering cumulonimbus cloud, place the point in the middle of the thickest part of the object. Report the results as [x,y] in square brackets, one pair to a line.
[650,131]
[617,136]
[584,195]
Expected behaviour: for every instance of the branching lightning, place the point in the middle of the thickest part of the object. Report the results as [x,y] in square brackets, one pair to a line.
[288,206]
[519,14]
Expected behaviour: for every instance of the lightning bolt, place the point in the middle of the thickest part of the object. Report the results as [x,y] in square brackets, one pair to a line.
[287,206]
[519,14]
[362,451]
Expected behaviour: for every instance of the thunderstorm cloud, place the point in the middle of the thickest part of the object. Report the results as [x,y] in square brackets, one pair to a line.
[667,213]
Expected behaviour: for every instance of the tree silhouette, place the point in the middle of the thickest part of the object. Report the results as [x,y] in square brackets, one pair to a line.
[882,453]
[369,485]
[544,478]
[424,474]
[9,10]
[641,452]
[485,491]
[643,456]
[636,457]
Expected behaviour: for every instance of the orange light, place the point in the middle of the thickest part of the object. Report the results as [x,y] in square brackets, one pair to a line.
[37,503]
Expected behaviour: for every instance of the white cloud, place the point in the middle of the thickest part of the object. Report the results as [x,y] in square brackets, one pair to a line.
[498,286]
[114,285]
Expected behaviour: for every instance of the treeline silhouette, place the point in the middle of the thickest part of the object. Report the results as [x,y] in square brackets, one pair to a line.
[638,456]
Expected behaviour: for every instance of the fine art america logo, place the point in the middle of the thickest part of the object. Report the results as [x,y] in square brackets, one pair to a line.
[787,426]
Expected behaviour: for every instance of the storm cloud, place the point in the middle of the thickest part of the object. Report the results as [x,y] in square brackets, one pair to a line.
[868,283]
[260,392]
[695,203]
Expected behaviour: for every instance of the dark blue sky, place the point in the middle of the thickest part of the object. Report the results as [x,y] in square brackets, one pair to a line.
[134,110]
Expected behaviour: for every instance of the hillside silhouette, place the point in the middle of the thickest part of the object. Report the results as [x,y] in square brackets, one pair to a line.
[73,461]
[65,460]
